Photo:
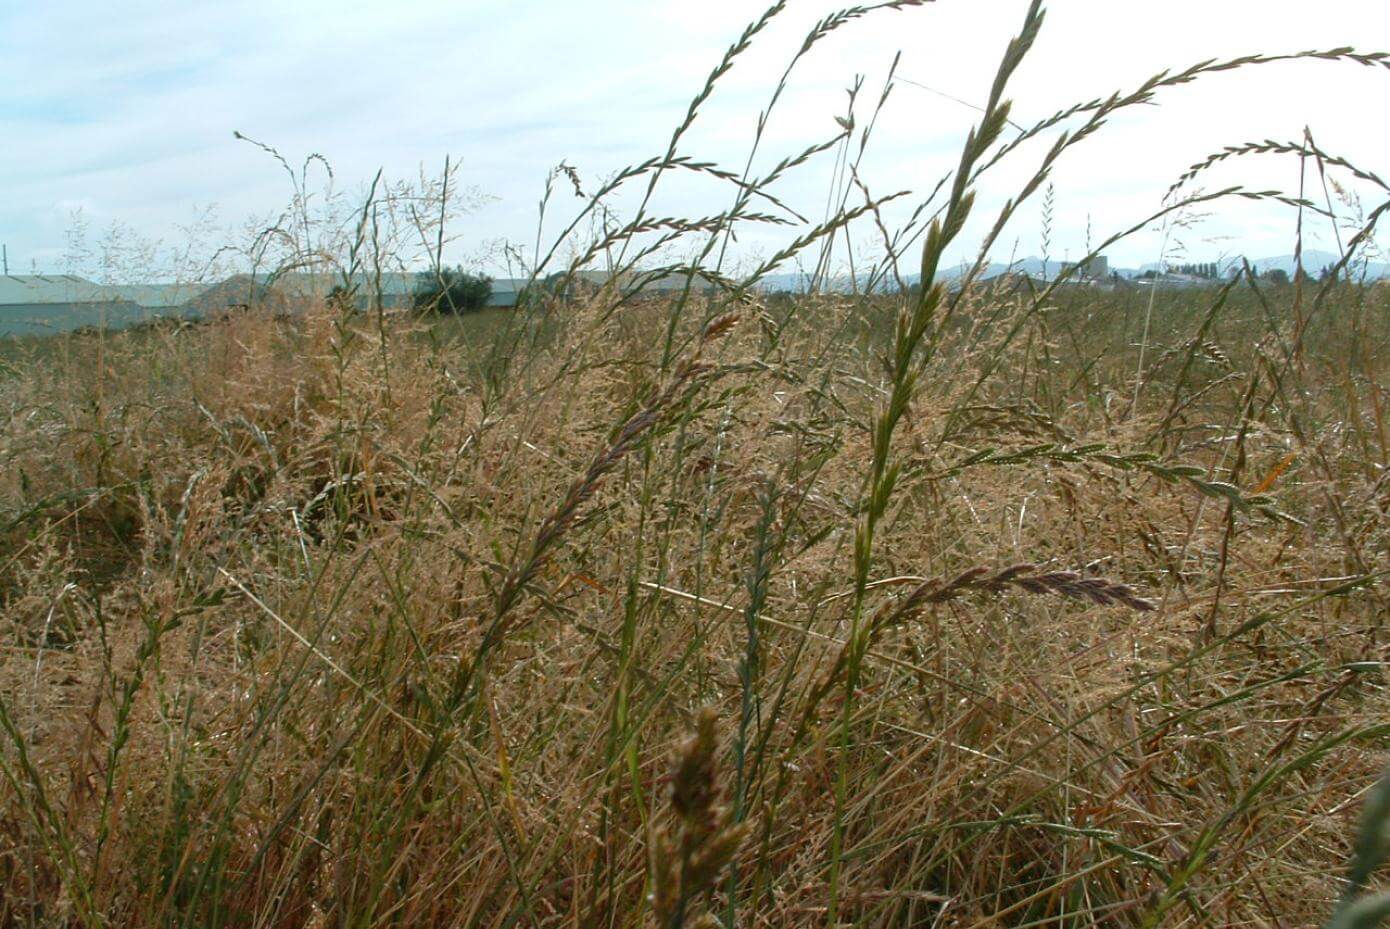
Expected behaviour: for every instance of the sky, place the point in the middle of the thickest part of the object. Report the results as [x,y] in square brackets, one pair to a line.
[126,109]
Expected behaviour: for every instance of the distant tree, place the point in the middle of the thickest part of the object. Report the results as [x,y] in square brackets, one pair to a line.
[451,290]
[1203,269]
[342,299]
[555,284]
[1276,276]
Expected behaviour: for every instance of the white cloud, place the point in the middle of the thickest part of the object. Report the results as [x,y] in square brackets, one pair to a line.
[129,107]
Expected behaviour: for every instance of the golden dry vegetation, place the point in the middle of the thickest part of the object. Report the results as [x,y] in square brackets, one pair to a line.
[315,622]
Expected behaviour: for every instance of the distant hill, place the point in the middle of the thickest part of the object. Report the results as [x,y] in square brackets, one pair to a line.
[797,282]
[1314,260]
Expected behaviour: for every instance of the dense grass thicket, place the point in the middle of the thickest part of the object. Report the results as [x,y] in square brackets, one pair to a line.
[307,627]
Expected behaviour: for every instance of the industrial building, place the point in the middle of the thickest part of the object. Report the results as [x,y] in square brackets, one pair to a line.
[45,304]
[38,304]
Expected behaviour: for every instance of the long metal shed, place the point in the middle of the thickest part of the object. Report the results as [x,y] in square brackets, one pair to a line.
[47,304]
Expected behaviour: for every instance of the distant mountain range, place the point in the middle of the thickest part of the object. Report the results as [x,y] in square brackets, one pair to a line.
[1313,261]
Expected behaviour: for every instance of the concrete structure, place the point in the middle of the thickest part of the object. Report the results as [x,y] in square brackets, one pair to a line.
[45,304]
[397,288]
[654,282]
[293,291]
[160,299]
[506,291]
[37,289]
[1174,281]
[1095,269]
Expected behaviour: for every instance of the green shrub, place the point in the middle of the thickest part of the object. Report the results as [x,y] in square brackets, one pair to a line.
[451,290]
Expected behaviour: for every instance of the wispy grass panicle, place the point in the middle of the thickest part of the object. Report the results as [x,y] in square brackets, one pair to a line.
[688,856]
[569,513]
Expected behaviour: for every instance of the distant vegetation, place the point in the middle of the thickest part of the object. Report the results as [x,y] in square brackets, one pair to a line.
[451,290]
[955,604]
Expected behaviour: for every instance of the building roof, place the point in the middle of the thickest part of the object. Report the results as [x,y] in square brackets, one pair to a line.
[19,319]
[321,284]
[156,295]
[397,287]
[49,288]
[393,283]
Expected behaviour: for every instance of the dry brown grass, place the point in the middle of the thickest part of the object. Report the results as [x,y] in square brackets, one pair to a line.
[249,569]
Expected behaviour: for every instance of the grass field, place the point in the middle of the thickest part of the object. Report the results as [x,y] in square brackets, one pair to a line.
[1034,604]
[308,627]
